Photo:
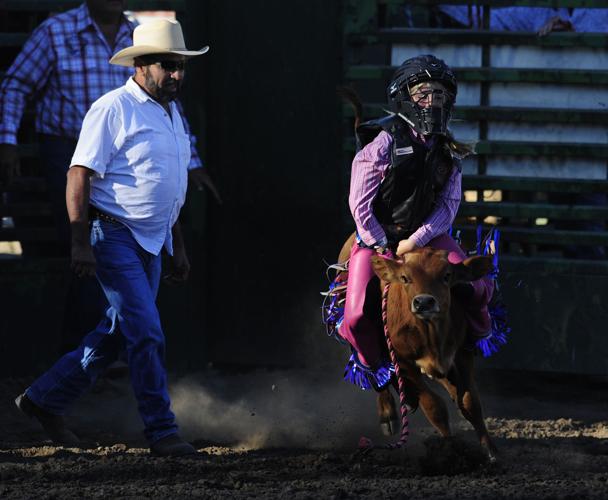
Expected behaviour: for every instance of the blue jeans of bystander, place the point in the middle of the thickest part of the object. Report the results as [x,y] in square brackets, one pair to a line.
[130,278]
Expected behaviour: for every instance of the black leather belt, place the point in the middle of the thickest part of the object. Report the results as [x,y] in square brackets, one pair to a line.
[95,213]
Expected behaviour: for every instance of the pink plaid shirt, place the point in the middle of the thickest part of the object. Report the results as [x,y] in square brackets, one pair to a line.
[368,170]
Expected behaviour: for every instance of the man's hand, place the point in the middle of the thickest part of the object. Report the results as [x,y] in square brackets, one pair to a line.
[180,268]
[556,23]
[77,203]
[201,179]
[83,260]
[10,166]
[405,246]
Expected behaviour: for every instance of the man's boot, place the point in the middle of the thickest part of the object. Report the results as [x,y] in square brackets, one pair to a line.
[172,446]
[53,425]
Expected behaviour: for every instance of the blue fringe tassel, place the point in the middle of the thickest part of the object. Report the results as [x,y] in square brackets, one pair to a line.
[332,313]
[365,378]
[498,312]
[500,330]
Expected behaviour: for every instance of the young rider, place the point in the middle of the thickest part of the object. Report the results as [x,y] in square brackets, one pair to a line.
[404,194]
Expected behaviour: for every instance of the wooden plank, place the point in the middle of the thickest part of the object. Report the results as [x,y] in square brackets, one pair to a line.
[25,209]
[493,75]
[29,234]
[533,210]
[479,37]
[545,236]
[505,114]
[521,148]
[544,184]
[552,265]
[533,75]
[524,148]
[530,115]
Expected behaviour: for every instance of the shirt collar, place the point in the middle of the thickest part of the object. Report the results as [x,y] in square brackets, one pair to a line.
[83,18]
[136,91]
[141,95]
[125,30]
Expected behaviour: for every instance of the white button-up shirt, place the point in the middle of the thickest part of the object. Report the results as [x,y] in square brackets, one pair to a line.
[140,155]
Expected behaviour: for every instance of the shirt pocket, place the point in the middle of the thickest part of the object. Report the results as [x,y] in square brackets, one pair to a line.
[184,151]
[74,72]
[147,152]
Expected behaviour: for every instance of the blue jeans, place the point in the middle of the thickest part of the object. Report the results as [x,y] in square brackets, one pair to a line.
[129,277]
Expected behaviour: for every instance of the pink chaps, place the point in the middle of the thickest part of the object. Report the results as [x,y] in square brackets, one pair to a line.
[362,331]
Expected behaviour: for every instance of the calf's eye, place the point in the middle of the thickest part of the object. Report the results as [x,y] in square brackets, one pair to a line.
[406,279]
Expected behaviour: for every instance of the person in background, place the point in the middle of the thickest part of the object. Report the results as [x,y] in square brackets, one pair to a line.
[64,67]
[542,20]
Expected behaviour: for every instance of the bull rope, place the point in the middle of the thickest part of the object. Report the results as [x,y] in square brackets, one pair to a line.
[366,443]
[405,426]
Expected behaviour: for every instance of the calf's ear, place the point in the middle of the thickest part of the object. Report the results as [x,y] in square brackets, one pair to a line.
[472,269]
[386,269]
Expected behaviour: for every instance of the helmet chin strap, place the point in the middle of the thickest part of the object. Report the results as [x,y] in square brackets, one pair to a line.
[427,120]
[407,120]
[424,125]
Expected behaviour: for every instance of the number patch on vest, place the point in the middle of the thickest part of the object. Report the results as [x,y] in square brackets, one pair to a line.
[404,151]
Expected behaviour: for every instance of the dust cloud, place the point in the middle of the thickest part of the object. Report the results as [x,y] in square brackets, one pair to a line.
[274,409]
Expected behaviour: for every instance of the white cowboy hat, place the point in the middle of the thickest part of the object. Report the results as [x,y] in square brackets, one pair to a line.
[156,37]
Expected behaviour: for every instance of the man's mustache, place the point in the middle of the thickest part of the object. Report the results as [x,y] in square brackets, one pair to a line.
[171,81]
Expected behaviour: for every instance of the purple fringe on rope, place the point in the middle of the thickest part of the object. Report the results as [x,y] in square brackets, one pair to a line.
[365,378]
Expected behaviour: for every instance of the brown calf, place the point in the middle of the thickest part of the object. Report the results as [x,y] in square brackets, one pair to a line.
[428,329]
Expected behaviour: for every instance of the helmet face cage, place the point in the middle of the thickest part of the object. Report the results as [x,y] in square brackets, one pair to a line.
[426,108]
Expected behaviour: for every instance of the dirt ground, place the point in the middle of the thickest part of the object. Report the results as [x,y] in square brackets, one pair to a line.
[294,434]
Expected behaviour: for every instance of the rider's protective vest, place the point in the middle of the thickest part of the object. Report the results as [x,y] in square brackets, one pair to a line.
[415,177]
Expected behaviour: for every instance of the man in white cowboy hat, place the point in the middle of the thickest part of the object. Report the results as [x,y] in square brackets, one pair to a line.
[62,69]
[126,185]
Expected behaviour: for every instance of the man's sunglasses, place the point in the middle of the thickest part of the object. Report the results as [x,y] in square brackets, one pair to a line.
[172,66]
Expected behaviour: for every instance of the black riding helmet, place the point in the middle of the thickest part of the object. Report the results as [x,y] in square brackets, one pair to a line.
[434,118]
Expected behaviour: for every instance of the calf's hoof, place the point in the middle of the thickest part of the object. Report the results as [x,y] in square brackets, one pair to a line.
[389,427]
[491,453]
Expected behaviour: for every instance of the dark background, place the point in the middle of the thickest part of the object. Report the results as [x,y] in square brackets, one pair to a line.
[271,129]
[264,103]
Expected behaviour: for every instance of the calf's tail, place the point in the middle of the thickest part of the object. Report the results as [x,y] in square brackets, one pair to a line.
[352,98]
